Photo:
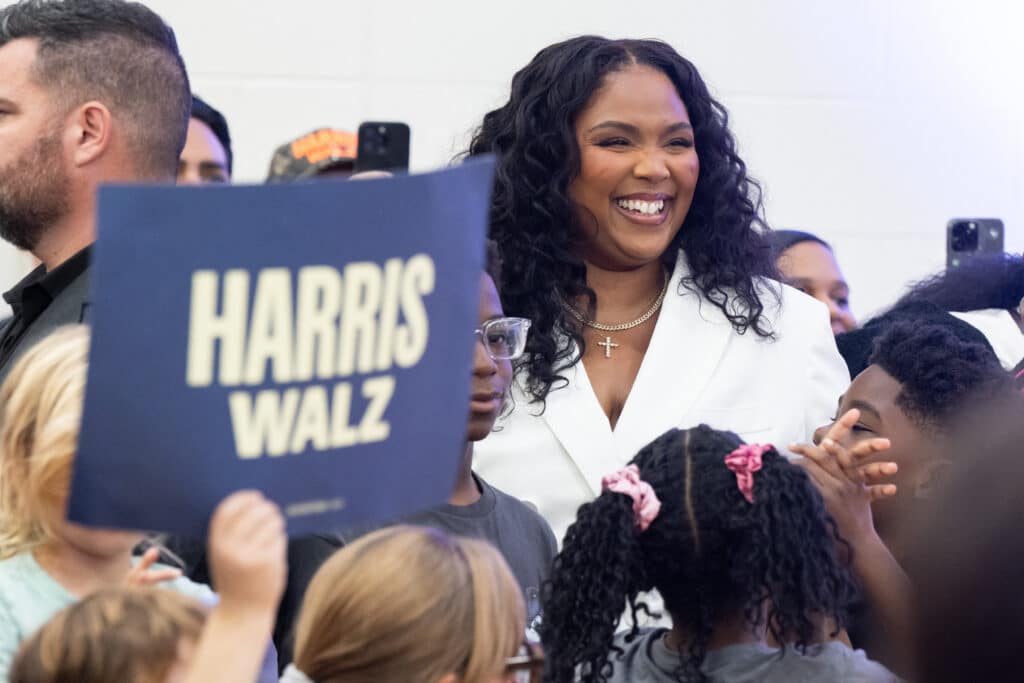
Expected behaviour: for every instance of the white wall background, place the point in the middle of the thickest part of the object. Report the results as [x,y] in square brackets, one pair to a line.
[870,122]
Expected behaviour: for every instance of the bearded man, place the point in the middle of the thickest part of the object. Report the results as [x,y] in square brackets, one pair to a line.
[91,92]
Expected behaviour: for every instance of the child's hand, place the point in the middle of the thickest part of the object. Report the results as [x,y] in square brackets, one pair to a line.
[142,575]
[248,552]
[847,485]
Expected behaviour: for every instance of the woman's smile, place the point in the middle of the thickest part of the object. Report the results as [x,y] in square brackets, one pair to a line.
[645,208]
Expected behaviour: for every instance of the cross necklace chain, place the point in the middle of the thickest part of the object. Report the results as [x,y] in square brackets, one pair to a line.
[608,344]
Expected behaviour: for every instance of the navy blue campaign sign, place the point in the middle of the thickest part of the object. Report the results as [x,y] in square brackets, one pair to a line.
[312,341]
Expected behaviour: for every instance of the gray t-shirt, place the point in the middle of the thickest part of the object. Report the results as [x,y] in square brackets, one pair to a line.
[514,528]
[648,660]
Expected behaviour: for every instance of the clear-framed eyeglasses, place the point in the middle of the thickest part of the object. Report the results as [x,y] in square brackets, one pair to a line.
[504,338]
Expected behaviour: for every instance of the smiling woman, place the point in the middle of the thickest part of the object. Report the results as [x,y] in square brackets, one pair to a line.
[629,230]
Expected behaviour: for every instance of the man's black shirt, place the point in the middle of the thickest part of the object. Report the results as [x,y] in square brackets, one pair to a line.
[30,297]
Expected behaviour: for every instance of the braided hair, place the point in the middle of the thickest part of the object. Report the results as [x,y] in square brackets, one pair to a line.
[710,553]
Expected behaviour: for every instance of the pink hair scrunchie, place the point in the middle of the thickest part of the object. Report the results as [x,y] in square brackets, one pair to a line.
[646,505]
[744,461]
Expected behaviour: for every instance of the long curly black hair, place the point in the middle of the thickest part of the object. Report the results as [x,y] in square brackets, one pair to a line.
[534,220]
[710,553]
[985,281]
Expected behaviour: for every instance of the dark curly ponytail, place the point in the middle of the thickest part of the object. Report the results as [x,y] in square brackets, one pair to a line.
[711,554]
[585,613]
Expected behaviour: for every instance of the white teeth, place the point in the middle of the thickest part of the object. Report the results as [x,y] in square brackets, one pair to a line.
[642,207]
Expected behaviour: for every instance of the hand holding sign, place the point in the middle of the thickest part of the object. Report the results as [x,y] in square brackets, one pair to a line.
[247,551]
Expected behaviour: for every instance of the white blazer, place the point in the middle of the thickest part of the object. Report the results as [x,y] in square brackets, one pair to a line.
[697,369]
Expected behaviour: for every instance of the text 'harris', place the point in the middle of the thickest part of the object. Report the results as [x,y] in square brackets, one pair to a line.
[317,323]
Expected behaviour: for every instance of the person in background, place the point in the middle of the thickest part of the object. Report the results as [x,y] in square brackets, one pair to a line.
[206,157]
[736,540]
[91,92]
[146,635]
[46,561]
[985,291]
[808,263]
[630,235]
[410,604]
[323,152]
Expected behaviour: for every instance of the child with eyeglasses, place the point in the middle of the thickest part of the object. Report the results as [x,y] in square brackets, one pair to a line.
[418,636]
[475,508]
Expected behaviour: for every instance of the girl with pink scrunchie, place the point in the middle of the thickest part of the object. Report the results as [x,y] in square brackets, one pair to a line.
[737,541]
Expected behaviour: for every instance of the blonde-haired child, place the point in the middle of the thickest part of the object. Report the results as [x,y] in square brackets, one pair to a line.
[47,562]
[117,634]
[410,604]
[146,635]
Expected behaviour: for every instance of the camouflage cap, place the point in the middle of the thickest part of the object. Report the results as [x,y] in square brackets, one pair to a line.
[312,154]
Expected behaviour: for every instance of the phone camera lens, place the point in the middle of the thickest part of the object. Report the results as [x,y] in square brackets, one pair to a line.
[964,236]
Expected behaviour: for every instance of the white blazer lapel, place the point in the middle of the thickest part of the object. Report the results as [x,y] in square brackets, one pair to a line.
[687,345]
[574,415]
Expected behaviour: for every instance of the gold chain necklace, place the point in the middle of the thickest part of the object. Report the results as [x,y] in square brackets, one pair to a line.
[608,344]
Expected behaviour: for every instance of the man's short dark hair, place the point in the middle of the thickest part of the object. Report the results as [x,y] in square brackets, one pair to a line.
[119,53]
[216,123]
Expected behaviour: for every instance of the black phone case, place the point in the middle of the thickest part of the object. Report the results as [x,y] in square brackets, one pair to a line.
[383,146]
[989,240]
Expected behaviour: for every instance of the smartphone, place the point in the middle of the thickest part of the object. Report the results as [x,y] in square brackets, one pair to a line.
[968,237]
[382,146]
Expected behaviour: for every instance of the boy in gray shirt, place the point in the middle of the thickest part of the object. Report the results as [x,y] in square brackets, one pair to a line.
[518,531]
[475,508]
